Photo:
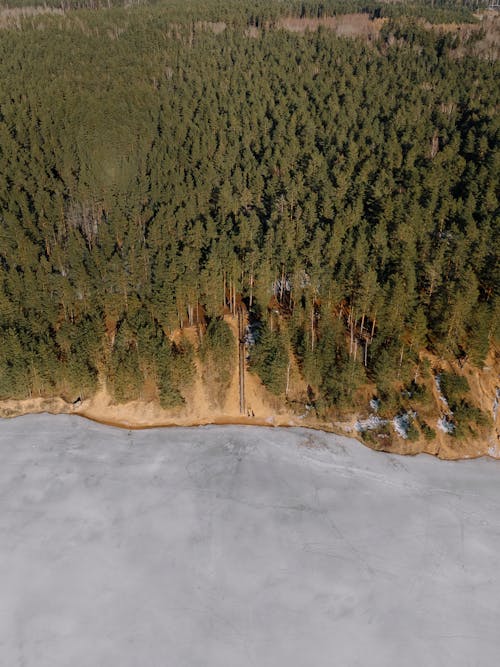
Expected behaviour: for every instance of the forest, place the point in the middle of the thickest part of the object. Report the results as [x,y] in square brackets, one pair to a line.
[165,164]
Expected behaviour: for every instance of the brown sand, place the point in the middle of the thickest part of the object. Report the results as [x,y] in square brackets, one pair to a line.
[264,409]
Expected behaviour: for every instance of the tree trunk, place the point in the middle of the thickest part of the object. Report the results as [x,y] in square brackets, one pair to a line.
[352,334]
[312,327]
[401,360]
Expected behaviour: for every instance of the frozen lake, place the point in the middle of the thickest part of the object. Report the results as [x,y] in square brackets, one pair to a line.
[241,546]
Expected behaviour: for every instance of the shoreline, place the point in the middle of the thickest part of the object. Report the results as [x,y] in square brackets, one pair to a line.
[218,421]
[105,417]
[258,423]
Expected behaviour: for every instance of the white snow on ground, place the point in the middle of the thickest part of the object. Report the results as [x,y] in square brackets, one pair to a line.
[402,423]
[241,547]
[445,422]
[442,398]
[445,425]
[371,423]
[496,403]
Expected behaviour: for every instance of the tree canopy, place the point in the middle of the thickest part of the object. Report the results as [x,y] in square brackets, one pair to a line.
[153,166]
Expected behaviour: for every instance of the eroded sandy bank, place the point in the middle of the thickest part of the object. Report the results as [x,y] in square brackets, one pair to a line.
[137,415]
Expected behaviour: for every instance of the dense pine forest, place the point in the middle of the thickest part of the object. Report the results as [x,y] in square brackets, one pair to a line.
[163,165]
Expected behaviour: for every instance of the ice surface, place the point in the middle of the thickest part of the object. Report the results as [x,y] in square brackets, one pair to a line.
[238,547]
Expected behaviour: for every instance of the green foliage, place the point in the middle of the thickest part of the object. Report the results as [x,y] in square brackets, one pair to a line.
[390,402]
[479,332]
[125,377]
[174,371]
[80,350]
[412,433]
[269,360]
[454,387]
[259,11]
[464,412]
[218,353]
[391,364]
[148,171]
[425,368]
[16,366]
[419,394]
[330,368]
[379,438]
[466,417]
[428,432]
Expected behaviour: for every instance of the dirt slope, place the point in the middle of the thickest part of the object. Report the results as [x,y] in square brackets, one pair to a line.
[266,409]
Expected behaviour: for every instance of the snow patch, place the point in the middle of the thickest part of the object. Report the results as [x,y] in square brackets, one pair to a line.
[252,333]
[402,423]
[281,286]
[494,448]
[496,403]
[442,397]
[372,423]
[446,425]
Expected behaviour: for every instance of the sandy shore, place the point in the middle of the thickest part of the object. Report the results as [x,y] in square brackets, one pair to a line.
[139,415]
